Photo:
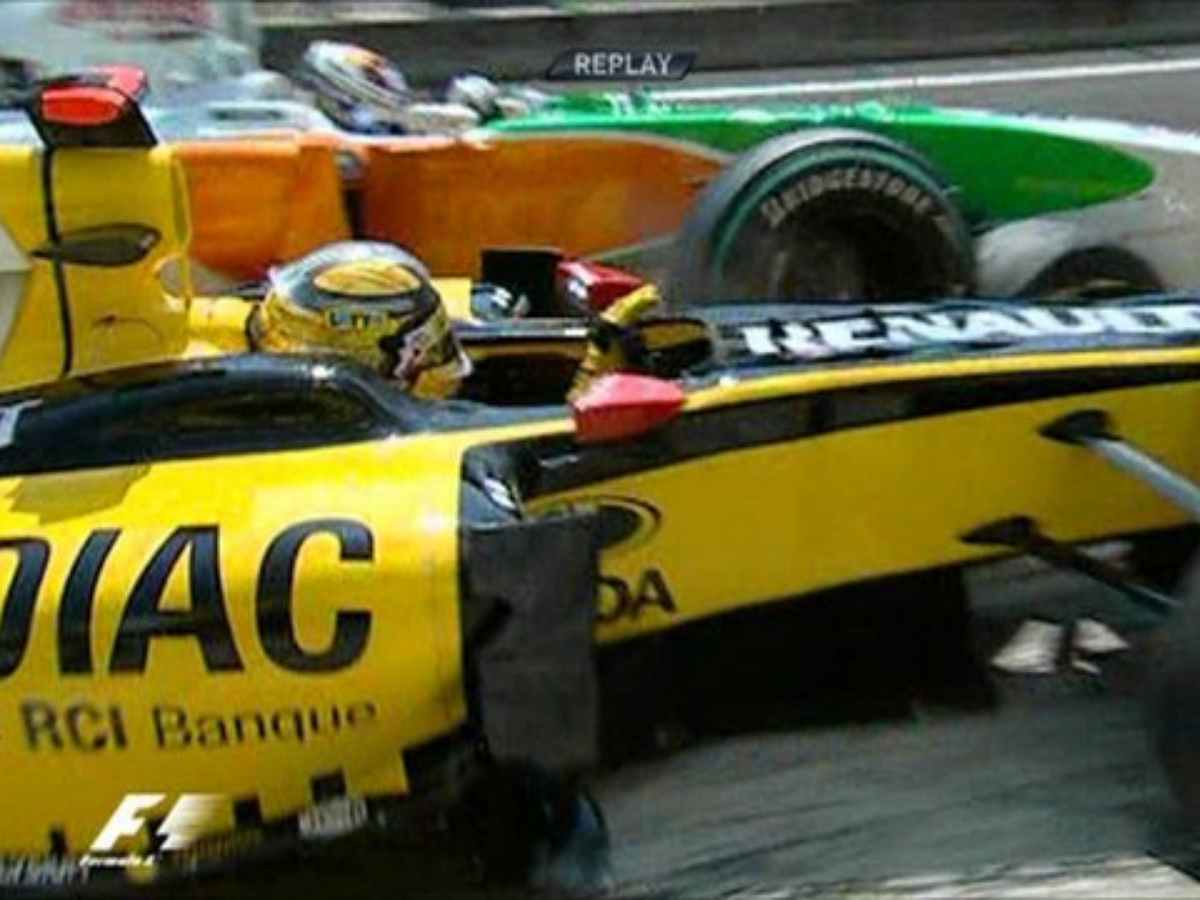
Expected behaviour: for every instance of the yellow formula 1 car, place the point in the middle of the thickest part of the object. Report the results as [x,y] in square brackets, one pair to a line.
[252,597]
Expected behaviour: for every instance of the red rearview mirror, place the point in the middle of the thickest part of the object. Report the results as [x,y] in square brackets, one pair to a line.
[621,406]
[589,287]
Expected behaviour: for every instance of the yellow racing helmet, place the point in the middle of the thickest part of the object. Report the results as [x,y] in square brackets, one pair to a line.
[369,300]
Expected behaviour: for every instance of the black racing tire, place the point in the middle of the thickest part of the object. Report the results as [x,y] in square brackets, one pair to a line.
[829,214]
[1094,273]
[1174,699]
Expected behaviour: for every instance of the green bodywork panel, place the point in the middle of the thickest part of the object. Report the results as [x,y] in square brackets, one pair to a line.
[1002,167]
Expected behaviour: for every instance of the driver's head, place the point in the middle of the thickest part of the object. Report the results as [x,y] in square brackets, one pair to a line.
[354,86]
[369,300]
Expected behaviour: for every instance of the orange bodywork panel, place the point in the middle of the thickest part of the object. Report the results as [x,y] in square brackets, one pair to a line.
[257,202]
[582,193]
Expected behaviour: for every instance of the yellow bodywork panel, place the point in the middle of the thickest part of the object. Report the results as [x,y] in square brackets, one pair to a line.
[85,318]
[831,508]
[217,326]
[31,338]
[100,711]
[456,295]
[121,312]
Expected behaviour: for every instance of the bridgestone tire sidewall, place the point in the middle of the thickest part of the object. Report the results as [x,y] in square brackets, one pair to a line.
[811,189]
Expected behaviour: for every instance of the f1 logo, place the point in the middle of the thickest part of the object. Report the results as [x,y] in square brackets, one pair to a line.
[188,819]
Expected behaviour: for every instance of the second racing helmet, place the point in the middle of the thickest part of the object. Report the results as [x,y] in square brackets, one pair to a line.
[356,87]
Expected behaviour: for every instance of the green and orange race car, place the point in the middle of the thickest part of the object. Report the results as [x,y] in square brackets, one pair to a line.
[714,200]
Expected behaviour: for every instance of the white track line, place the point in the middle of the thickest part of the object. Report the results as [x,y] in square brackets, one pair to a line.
[927,82]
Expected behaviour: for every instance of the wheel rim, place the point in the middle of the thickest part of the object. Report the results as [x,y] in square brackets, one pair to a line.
[816,265]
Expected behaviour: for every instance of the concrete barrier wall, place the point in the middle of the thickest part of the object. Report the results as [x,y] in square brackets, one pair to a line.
[748,35]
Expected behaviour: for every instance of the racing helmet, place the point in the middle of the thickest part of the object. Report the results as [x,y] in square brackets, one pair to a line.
[369,300]
[356,87]
[476,92]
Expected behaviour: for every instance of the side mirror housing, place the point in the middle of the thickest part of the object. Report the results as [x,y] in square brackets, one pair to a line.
[94,108]
[586,287]
[622,406]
